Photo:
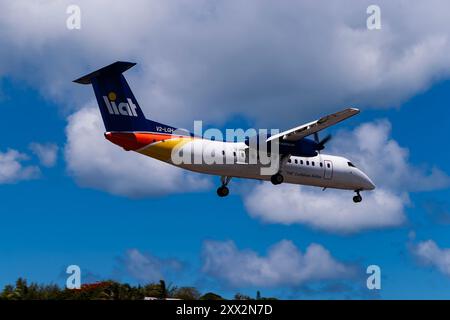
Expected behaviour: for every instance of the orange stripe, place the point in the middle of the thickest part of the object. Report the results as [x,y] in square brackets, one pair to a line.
[134,141]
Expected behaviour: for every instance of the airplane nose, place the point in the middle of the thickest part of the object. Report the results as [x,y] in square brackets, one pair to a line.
[366,182]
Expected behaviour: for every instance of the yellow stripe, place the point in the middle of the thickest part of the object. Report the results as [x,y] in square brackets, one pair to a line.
[162,150]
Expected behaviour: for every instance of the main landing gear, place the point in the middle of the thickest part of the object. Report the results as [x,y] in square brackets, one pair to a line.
[223,190]
[277,179]
[357,198]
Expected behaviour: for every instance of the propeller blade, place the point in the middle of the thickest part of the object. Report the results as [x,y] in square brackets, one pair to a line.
[325,140]
[316,137]
[321,143]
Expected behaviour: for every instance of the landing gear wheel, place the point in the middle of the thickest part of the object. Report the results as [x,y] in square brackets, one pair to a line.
[357,198]
[222,191]
[277,179]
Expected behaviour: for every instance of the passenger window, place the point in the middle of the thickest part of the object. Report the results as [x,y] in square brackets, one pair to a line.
[321,164]
[328,165]
[307,163]
[301,161]
[223,152]
[234,153]
[296,161]
[312,162]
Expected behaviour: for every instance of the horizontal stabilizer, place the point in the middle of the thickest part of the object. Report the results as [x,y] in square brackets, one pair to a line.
[115,68]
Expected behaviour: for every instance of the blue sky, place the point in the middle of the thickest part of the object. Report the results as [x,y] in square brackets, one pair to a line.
[69,211]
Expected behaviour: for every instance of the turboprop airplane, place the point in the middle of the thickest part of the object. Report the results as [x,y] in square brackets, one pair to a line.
[300,159]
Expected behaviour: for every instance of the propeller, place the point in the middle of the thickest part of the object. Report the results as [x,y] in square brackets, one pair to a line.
[321,143]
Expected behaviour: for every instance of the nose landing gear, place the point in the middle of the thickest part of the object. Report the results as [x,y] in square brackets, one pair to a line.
[357,198]
[223,190]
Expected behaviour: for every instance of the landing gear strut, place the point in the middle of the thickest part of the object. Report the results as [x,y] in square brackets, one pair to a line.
[278,178]
[223,190]
[357,198]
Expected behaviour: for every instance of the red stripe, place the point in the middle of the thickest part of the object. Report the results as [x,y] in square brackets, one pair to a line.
[134,141]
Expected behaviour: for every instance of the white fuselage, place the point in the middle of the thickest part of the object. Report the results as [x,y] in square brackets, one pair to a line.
[232,160]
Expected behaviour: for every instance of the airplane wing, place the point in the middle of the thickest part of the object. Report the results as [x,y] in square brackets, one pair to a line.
[315,126]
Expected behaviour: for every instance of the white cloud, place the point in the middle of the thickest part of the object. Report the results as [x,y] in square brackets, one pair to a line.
[370,147]
[12,168]
[328,210]
[97,163]
[146,267]
[382,158]
[429,253]
[47,153]
[284,264]
[212,59]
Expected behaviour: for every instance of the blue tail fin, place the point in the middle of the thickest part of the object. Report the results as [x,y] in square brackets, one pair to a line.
[118,106]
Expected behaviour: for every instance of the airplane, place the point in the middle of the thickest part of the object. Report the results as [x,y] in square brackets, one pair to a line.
[300,158]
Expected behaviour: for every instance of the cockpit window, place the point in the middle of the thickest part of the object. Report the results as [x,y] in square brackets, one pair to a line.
[351,164]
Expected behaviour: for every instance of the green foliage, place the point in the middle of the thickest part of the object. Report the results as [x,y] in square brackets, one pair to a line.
[187,293]
[239,296]
[211,296]
[108,290]
[159,290]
